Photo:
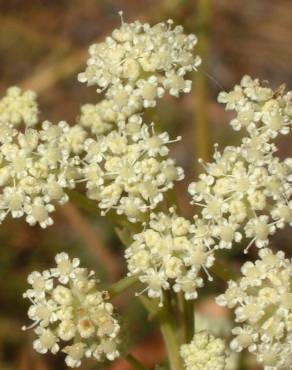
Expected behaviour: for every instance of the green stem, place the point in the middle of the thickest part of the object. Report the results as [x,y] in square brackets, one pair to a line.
[170,334]
[91,207]
[168,328]
[134,362]
[122,285]
[179,311]
[189,320]
[151,305]
[202,135]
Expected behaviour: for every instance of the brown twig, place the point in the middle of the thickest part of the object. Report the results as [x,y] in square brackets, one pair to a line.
[16,25]
[53,73]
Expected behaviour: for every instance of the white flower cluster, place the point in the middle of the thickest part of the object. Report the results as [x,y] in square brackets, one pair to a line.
[248,186]
[35,168]
[123,162]
[239,190]
[68,308]
[127,170]
[205,352]
[170,253]
[263,301]
[138,63]
[258,107]
[18,107]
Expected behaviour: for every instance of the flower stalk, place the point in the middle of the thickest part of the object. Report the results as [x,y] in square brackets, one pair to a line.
[170,334]
[122,285]
[202,134]
[189,320]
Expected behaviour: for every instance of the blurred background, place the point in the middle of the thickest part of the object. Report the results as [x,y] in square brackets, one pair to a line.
[43,45]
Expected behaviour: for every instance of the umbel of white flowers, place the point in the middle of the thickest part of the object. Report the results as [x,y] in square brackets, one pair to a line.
[123,163]
[262,299]
[245,192]
[248,186]
[128,169]
[70,314]
[124,166]
[138,62]
[169,254]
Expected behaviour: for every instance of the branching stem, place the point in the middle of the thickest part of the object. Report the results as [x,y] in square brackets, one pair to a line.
[122,285]
[170,334]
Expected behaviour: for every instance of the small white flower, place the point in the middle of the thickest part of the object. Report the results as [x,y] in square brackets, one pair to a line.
[40,282]
[66,268]
[47,341]
[75,353]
